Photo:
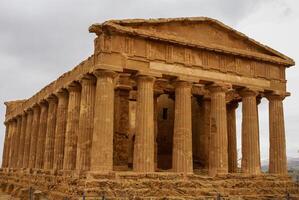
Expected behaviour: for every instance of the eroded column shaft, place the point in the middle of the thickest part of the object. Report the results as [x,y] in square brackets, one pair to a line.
[61,123]
[27,139]
[85,123]
[72,128]
[218,159]
[278,160]
[182,137]
[34,136]
[50,133]
[102,140]
[144,139]
[41,140]
[232,137]
[22,140]
[6,146]
[250,133]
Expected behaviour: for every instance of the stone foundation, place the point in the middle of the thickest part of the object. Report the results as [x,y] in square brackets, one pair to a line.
[131,185]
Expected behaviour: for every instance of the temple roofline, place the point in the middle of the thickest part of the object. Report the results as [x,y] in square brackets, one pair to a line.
[120,26]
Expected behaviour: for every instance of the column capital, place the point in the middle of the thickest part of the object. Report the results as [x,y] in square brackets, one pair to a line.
[61,93]
[105,73]
[246,92]
[87,78]
[43,103]
[29,111]
[52,98]
[233,104]
[74,87]
[124,82]
[35,107]
[181,83]
[218,87]
[142,77]
[275,96]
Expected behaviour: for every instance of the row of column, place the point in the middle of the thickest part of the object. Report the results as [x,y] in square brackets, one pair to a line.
[73,129]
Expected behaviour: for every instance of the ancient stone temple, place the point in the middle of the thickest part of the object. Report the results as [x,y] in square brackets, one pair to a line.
[152,114]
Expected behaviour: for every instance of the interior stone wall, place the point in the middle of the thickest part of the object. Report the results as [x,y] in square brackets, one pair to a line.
[165,131]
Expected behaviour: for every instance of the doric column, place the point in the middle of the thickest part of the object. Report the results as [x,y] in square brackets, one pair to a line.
[250,133]
[27,138]
[182,136]
[232,137]
[85,122]
[278,160]
[61,122]
[144,139]
[50,133]
[205,131]
[16,137]
[121,121]
[41,140]
[11,142]
[72,128]
[102,140]
[22,140]
[34,135]
[6,146]
[218,139]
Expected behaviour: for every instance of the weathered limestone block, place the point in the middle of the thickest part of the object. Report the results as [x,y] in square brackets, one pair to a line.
[50,133]
[61,122]
[85,122]
[218,139]
[72,128]
[144,146]
[102,140]
[232,137]
[27,139]
[182,138]
[34,135]
[22,140]
[250,133]
[41,140]
[278,160]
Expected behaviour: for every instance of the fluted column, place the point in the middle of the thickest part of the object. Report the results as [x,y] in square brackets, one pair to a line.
[61,123]
[27,138]
[121,126]
[34,135]
[11,142]
[72,128]
[50,133]
[218,158]
[85,122]
[102,140]
[182,136]
[6,146]
[205,131]
[144,139]
[22,141]
[232,137]
[16,137]
[278,160]
[250,133]
[41,139]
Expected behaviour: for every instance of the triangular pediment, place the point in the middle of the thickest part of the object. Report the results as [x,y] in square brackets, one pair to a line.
[206,31]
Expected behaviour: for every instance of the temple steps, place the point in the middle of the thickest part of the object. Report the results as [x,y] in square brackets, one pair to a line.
[154,186]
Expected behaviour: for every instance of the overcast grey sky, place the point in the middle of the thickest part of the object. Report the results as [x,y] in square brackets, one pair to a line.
[40,40]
